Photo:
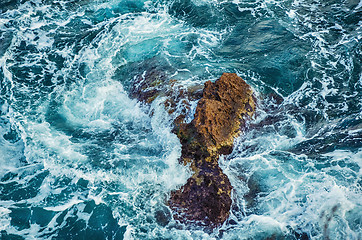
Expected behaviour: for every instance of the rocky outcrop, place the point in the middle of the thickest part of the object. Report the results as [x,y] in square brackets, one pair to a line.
[220,116]
[152,84]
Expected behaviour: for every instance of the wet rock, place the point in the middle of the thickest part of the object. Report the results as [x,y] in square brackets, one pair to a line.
[149,85]
[220,115]
[204,199]
[163,216]
[222,110]
[153,83]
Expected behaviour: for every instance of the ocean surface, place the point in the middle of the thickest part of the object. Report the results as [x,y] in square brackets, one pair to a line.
[80,159]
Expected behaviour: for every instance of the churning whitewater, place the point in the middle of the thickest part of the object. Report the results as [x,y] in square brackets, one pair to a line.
[81,159]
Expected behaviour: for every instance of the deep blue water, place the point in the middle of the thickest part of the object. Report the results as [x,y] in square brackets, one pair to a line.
[79,159]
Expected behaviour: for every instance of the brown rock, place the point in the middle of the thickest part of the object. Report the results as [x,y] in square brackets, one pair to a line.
[224,106]
[204,199]
[220,114]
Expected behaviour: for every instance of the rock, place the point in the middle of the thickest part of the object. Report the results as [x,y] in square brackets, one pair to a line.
[163,216]
[222,110]
[220,115]
[149,85]
[153,83]
[204,199]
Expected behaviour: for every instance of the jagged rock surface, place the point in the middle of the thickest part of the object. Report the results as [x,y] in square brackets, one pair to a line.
[220,115]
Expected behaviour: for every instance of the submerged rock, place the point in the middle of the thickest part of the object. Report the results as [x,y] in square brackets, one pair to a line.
[154,83]
[220,116]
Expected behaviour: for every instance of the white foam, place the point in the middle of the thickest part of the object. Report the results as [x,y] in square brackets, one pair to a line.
[4,218]
[99,105]
[291,13]
[63,207]
[128,235]
[175,174]
[52,141]
[297,193]
[359,5]
[347,156]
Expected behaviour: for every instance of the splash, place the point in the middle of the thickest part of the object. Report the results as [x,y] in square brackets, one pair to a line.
[80,158]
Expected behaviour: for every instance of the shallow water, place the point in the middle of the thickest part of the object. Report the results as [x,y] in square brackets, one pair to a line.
[80,159]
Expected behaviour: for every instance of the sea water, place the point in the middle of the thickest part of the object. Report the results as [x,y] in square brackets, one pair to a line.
[80,159]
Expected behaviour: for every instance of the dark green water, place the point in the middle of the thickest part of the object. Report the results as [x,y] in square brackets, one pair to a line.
[79,159]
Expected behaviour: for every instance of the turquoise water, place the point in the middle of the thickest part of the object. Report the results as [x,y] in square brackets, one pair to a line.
[79,159]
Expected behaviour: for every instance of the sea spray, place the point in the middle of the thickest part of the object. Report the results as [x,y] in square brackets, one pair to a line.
[80,158]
